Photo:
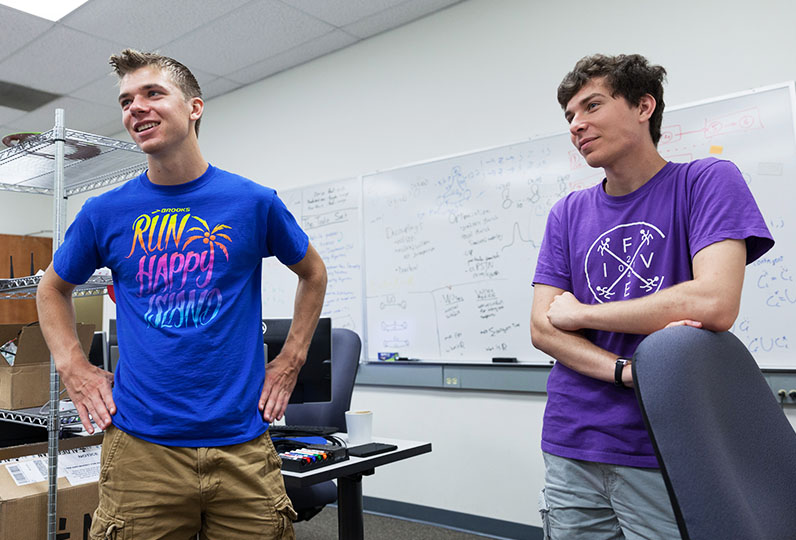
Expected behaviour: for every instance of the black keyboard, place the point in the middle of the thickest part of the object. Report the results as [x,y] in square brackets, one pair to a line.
[301,430]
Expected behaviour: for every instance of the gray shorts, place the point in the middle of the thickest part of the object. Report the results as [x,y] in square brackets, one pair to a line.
[583,500]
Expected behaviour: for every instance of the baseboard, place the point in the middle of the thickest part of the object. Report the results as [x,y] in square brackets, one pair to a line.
[447,518]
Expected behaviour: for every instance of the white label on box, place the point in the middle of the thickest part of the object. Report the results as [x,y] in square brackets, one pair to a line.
[81,467]
[28,472]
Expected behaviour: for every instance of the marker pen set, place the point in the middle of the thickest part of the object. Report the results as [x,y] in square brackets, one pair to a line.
[307,458]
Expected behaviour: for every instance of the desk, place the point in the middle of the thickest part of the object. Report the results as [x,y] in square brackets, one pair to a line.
[349,475]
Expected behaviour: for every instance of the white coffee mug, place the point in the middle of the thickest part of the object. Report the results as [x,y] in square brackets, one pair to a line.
[360,427]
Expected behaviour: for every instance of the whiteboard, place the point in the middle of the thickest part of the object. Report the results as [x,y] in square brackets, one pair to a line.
[330,215]
[755,130]
[450,245]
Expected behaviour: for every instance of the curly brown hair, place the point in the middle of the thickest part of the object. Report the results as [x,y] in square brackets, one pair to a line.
[628,75]
[130,60]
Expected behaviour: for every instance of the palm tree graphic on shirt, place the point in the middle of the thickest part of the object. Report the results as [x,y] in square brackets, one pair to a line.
[210,237]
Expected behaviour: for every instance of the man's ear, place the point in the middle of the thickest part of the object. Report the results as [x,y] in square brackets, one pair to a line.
[197,107]
[646,107]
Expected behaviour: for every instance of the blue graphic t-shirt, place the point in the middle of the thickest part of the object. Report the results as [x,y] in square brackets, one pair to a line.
[606,249]
[186,263]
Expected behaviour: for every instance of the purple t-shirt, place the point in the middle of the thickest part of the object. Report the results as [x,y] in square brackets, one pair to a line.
[603,249]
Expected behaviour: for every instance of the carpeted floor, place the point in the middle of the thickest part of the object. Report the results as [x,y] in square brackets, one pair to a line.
[377,527]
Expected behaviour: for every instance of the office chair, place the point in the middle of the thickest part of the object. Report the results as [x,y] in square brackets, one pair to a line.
[726,450]
[346,346]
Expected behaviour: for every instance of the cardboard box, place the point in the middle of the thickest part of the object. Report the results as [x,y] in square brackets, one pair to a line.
[27,383]
[23,508]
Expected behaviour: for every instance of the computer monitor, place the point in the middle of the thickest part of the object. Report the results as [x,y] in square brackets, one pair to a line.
[314,382]
[98,354]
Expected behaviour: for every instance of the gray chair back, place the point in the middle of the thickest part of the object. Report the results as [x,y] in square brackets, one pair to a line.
[346,347]
[726,449]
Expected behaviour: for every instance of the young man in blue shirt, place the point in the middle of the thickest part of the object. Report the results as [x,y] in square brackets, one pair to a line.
[186,412]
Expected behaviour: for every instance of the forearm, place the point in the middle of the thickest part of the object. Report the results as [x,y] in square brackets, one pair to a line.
[568,347]
[307,307]
[712,298]
[57,319]
[687,300]
[574,351]
[89,387]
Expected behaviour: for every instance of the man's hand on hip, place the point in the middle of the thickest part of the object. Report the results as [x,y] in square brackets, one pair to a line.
[90,390]
[280,379]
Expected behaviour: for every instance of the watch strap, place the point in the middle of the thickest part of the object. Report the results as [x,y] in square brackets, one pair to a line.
[620,365]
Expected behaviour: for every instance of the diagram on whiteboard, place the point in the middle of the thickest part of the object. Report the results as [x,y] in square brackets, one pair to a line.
[453,242]
[329,214]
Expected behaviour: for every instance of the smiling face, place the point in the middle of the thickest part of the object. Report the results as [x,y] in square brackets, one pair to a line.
[155,112]
[607,129]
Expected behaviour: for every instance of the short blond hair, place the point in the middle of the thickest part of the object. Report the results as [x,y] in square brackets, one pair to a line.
[130,60]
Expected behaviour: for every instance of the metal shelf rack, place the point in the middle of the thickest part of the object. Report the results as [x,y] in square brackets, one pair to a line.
[36,417]
[25,287]
[61,163]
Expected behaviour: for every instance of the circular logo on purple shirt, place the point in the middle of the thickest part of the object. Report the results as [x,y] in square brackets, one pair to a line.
[620,264]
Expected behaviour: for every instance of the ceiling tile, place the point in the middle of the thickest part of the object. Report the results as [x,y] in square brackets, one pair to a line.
[7,114]
[202,77]
[256,31]
[18,29]
[60,61]
[305,52]
[78,115]
[343,12]
[104,90]
[218,87]
[225,43]
[146,24]
[396,16]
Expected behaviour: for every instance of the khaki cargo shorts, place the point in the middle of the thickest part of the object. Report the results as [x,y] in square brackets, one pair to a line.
[148,491]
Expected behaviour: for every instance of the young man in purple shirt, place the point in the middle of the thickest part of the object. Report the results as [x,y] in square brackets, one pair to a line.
[656,243]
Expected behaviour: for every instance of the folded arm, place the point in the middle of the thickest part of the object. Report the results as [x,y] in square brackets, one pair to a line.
[282,372]
[569,347]
[89,387]
[712,299]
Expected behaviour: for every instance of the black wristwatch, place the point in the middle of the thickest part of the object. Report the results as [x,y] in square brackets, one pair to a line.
[620,365]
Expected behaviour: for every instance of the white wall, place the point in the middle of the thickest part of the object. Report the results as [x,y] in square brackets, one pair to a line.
[25,213]
[479,74]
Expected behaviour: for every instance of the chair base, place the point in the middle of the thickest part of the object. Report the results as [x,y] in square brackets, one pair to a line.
[306,514]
